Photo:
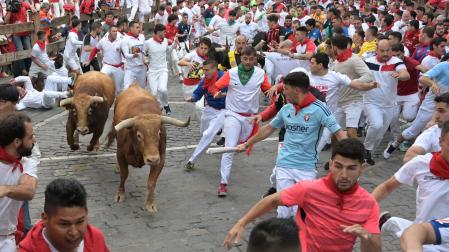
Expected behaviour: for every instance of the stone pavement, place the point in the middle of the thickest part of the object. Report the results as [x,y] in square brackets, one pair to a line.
[191,217]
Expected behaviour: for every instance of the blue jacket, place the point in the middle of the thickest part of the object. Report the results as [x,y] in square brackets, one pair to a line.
[214,103]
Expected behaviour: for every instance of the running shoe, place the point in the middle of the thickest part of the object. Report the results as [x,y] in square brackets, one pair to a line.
[221,142]
[389,150]
[383,218]
[167,110]
[368,158]
[222,190]
[269,192]
[404,146]
[189,166]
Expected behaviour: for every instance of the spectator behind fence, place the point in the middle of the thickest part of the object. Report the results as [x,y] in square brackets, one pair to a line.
[274,235]
[64,225]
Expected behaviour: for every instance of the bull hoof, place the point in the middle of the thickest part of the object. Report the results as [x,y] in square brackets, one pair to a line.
[151,208]
[74,146]
[119,197]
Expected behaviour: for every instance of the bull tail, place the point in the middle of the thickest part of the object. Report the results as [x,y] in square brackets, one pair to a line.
[111,137]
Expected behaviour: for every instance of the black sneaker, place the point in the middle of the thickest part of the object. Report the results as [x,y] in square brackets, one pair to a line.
[219,132]
[189,166]
[167,110]
[221,142]
[383,218]
[326,166]
[368,158]
[269,192]
[389,150]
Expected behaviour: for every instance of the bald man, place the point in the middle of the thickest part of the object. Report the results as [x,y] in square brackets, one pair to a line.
[232,58]
[401,25]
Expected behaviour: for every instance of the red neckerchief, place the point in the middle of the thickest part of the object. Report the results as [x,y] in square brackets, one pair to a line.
[329,182]
[204,57]
[8,158]
[411,34]
[132,35]
[387,28]
[157,39]
[342,57]
[308,99]
[433,54]
[208,82]
[74,30]
[381,60]
[41,44]
[439,166]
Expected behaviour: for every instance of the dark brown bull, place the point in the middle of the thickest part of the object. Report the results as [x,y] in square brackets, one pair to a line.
[139,129]
[93,95]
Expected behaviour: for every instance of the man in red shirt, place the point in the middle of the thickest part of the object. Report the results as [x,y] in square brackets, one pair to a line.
[64,225]
[171,31]
[334,210]
[22,40]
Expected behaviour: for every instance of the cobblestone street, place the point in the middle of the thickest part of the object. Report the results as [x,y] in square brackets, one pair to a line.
[191,217]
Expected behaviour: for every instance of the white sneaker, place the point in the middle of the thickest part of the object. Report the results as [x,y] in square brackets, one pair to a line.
[389,150]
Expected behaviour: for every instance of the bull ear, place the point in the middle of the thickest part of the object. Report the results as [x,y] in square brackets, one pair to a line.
[124,124]
[66,102]
[176,122]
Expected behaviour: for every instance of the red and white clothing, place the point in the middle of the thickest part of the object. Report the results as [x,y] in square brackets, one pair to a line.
[302,48]
[278,65]
[40,54]
[112,60]
[380,103]
[430,60]
[157,51]
[432,196]
[242,101]
[9,208]
[134,66]
[329,84]
[227,32]
[304,19]
[70,56]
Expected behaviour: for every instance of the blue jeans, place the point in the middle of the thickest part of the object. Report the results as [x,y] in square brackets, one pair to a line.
[26,217]
[23,43]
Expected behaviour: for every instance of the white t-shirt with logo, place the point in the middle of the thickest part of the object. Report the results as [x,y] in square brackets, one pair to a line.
[432,194]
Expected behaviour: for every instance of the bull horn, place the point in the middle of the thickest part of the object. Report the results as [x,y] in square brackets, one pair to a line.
[65,102]
[97,99]
[176,122]
[124,124]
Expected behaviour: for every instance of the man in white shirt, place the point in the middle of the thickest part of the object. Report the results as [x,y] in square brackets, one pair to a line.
[40,62]
[112,57]
[227,31]
[431,173]
[248,28]
[428,140]
[401,25]
[132,49]
[90,42]
[31,98]
[190,11]
[157,49]
[70,56]
[161,16]
[18,174]
[437,50]
[380,104]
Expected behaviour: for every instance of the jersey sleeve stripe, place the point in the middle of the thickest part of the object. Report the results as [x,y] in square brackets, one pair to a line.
[437,232]
[323,107]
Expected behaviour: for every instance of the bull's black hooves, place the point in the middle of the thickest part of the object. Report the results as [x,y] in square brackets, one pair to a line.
[74,147]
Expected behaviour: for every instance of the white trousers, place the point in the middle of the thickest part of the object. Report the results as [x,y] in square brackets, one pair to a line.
[379,118]
[212,121]
[116,73]
[49,98]
[134,5]
[349,115]
[423,116]
[57,83]
[324,139]
[7,243]
[237,128]
[407,108]
[273,173]
[58,8]
[199,105]
[397,226]
[73,63]
[157,80]
[286,178]
[269,69]
[134,74]
[174,62]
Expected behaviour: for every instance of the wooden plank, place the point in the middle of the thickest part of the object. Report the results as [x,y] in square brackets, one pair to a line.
[56,22]
[55,46]
[13,28]
[8,58]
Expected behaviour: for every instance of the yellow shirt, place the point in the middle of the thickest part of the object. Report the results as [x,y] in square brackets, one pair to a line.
[319,18]
[368,47]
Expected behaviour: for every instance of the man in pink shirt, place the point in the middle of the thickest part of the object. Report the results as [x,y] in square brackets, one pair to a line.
[333,210]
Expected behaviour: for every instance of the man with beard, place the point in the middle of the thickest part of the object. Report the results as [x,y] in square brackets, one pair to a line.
[64,225]
[18,175]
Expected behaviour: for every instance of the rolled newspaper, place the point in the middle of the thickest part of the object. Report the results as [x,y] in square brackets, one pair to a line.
[220,150]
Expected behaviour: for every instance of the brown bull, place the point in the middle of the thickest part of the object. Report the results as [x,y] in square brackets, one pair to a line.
[93,95]
[141,137]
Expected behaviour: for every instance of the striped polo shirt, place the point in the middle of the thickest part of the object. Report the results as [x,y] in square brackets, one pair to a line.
[323,208]
[385,95]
